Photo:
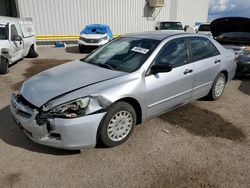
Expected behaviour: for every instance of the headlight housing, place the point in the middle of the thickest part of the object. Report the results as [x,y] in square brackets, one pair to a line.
[104,38]
[72,109]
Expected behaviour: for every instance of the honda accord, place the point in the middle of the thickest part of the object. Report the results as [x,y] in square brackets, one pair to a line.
[101,97]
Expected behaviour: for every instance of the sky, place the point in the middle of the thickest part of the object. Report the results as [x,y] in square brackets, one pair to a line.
[224,8]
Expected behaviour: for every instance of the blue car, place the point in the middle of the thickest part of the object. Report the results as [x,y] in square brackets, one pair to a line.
[93,36]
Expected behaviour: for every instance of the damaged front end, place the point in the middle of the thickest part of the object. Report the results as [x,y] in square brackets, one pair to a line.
[73,109]
[69,125]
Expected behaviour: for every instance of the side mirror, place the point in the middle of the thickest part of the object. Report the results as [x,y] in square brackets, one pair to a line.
[157,68]
[16,38]
[186,27]
[157,28]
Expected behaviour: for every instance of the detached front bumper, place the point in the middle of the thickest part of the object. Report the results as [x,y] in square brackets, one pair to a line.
[65,133]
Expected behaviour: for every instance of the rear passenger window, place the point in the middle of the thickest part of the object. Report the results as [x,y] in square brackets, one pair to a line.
[175,52]
[202,48]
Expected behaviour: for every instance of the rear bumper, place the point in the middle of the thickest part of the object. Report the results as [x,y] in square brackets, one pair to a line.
[66,133]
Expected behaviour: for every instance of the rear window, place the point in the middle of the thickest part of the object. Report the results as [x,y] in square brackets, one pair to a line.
[204,28]
[171,26]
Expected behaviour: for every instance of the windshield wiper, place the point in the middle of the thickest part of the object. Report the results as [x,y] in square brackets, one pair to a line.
[104,65]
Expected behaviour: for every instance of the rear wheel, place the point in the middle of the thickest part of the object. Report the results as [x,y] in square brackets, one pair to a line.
[32,53]
[4,65]
[218,87]
[118,124]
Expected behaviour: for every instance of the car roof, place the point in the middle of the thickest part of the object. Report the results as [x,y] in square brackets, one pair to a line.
[158,35]
[170,21]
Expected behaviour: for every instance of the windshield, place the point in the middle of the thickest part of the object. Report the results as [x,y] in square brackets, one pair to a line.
[235,36]
[124,54]
[94,30]
[204,28]
[3,32]
[171,26]
[246,52]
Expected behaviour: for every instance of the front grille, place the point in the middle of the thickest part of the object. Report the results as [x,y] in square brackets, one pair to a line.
[91,40]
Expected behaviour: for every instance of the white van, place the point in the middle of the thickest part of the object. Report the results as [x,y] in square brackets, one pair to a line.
[169,26]
[17,40]
[204,28]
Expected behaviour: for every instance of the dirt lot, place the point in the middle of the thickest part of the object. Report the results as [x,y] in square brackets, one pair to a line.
[207,144]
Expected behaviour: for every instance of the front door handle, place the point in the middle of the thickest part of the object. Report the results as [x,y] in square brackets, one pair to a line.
[188,71]
[217,61]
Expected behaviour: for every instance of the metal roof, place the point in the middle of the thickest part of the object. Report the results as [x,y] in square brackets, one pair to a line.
[157,35]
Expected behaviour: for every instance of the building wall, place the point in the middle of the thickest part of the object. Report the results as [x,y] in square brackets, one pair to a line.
[8,8]
[68,17]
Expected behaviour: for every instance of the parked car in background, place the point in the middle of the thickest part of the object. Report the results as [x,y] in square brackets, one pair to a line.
[17,40]
[234,33]
[204,28]
[243,62]
[93,36]
[131,79]
[169,26]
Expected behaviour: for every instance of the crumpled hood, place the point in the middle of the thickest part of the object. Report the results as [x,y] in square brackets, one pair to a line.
[93,36]
[230,24]
[63,79]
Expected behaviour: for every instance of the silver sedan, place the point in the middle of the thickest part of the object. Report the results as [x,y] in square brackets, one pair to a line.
[133,78]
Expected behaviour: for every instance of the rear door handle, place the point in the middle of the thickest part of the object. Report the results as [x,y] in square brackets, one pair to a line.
[217,61]
[188,71]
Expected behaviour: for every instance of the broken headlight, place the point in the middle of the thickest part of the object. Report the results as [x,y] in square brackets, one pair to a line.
[71,109]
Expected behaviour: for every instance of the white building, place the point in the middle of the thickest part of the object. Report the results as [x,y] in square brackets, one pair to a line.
[68,17]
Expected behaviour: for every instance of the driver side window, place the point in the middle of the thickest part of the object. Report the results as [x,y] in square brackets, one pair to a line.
[174,52]
[13,31]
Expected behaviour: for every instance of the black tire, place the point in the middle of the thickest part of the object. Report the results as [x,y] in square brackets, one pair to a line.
[81,49]
[212,94]
[118,107]
[4,65]
[32,53]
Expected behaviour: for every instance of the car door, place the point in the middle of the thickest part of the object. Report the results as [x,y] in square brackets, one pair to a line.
[167,90]
[206,59]
[16,47]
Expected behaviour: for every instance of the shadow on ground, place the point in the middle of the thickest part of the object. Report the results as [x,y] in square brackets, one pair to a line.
[72,49]
[37,66]
[204,123]
[245,85]
[12,135]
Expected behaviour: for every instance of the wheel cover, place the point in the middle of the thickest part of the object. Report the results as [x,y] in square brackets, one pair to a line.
[219,87]
[120,126]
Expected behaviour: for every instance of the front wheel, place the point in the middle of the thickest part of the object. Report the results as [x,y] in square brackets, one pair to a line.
[117,125]
[32,53]
[218,87]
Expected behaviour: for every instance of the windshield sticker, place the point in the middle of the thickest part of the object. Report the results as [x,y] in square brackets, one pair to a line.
[140,50]
[2,26]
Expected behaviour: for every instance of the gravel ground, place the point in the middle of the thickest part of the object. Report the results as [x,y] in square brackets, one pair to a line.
[203,144]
